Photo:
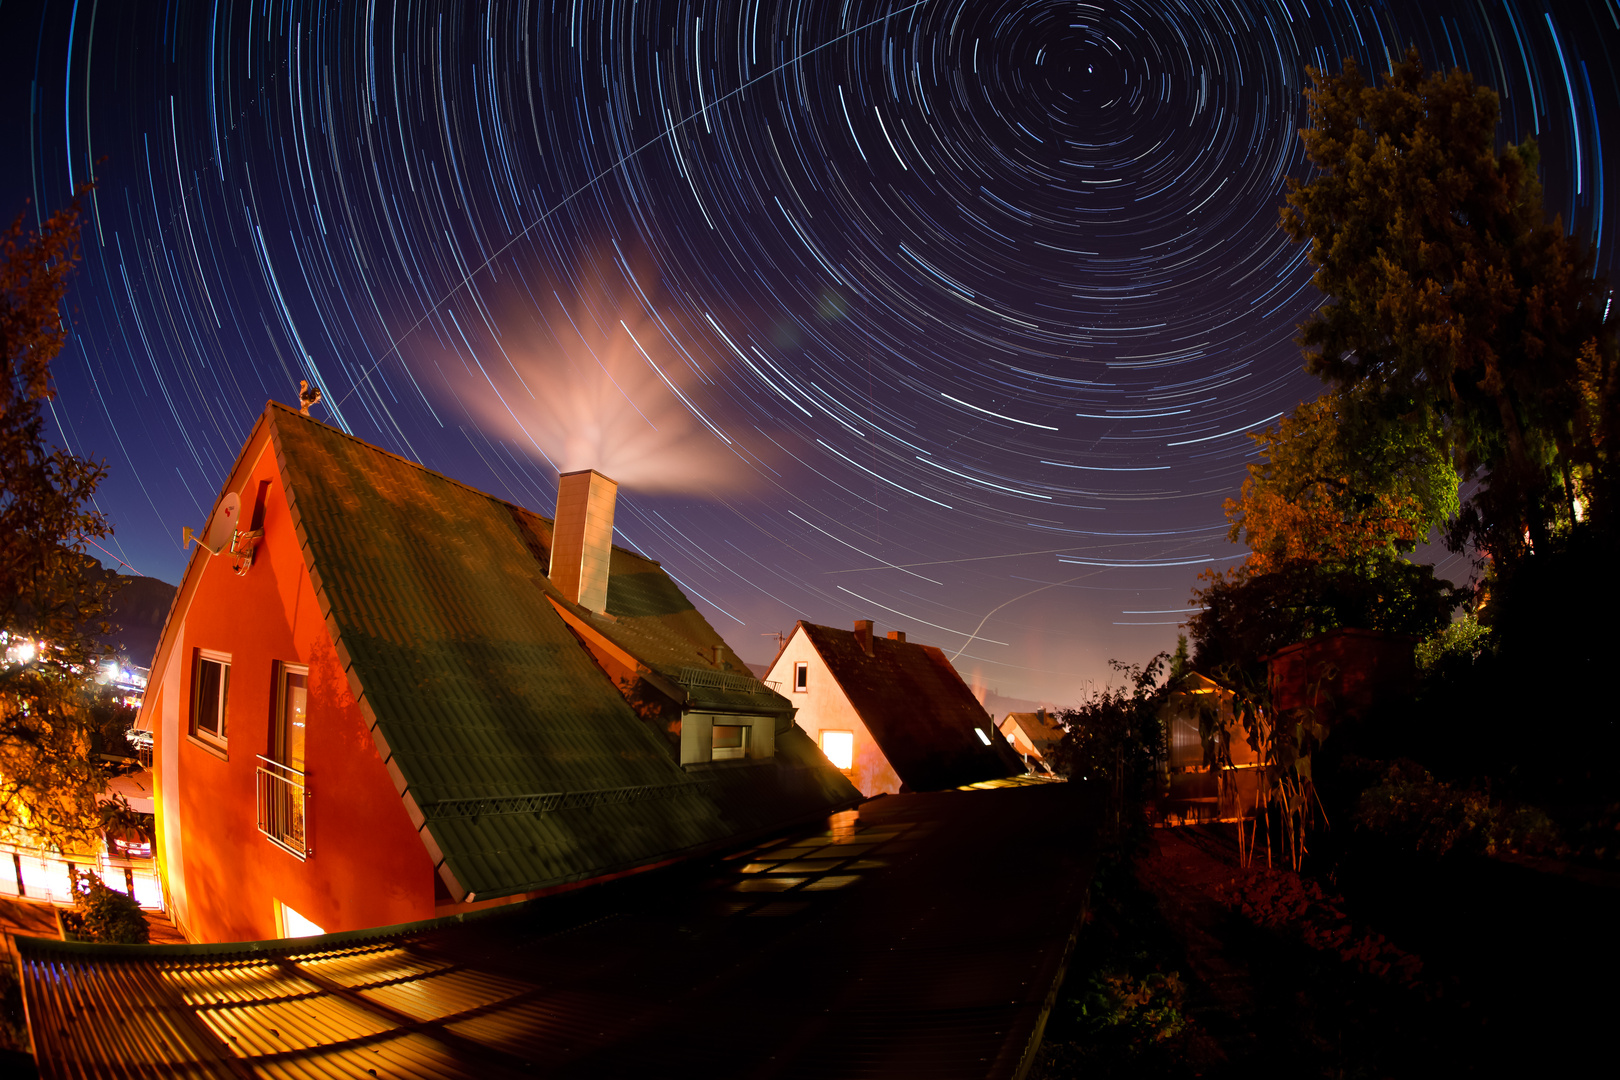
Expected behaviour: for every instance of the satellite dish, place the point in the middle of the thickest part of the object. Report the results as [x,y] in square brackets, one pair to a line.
[226,520]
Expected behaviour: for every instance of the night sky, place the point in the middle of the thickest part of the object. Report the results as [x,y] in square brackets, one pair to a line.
[949,315]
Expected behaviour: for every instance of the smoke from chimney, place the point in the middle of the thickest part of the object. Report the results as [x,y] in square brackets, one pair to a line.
[582,537]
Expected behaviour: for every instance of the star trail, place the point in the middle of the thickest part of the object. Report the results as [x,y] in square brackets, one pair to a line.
[949,314]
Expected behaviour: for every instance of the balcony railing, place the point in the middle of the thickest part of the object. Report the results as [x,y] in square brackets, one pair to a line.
[284,806]
[141,742]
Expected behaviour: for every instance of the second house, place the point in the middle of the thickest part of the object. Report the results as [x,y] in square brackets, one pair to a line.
[891,714]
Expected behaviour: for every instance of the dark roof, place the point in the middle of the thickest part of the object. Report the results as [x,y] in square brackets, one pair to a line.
[918,709]
[867,945]
[1040,728]
[502,735]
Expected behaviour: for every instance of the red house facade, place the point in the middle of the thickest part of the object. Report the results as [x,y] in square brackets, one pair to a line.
[371,705]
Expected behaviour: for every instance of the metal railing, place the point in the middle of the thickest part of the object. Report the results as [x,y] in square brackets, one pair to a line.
[141,742]
[708,679]
[284,806]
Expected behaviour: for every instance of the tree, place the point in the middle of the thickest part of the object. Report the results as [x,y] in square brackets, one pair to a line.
[1114,740]
[1310,499]
[51,594]
[1246,615]
[1456,305]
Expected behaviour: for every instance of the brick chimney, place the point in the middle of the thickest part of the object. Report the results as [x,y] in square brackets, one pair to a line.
[582,537]
[863,635]
[897,635]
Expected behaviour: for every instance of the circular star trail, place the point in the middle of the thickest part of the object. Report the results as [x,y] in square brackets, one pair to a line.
[951,315]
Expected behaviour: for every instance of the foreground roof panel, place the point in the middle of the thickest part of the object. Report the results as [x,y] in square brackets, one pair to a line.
[874,944]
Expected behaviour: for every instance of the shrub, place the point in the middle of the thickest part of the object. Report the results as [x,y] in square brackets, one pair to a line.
[1145,1010]
[106,915]
[1460,644]
[1434,817]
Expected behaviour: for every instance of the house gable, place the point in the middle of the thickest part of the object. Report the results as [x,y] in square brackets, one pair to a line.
[917,708]
[223,878]
[496,745]
[824,712]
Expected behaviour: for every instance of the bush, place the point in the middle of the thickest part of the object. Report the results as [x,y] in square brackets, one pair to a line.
[1113,740]
[13,1023]
[1434,817]
[1144,1010]
[105,915]
[1459,646]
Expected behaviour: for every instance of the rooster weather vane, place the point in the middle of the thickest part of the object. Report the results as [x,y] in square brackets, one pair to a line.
[307,397]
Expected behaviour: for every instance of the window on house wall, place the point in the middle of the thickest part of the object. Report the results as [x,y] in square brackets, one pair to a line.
[210,687]
[801,677]
[282,782]
[292,707]
[839,746]
[729,741]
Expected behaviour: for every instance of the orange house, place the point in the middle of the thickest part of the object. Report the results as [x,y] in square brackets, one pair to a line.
[1033,736]
[893,715]
[385,696]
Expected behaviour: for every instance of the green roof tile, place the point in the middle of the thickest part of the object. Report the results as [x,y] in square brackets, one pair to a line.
[438,595]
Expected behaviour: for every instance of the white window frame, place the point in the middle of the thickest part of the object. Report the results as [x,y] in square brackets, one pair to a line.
[801,676]
[697,738]
[218,738]
[730,753]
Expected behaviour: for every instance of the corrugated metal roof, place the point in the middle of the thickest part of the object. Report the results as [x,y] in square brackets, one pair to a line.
[525,763]
[917,707]
[872,944]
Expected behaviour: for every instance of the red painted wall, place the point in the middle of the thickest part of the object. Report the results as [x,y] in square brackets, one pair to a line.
[367,866]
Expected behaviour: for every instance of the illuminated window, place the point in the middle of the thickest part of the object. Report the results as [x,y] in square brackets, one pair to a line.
[839,746]
[730,741]
[979,731]
[801,677]
[210,687]
[294,924]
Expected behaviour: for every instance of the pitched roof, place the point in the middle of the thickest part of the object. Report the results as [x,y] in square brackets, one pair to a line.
[1039,728]
[918,709]
[651,619]
[516,757]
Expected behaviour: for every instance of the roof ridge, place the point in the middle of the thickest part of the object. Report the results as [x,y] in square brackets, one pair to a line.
[290,411]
